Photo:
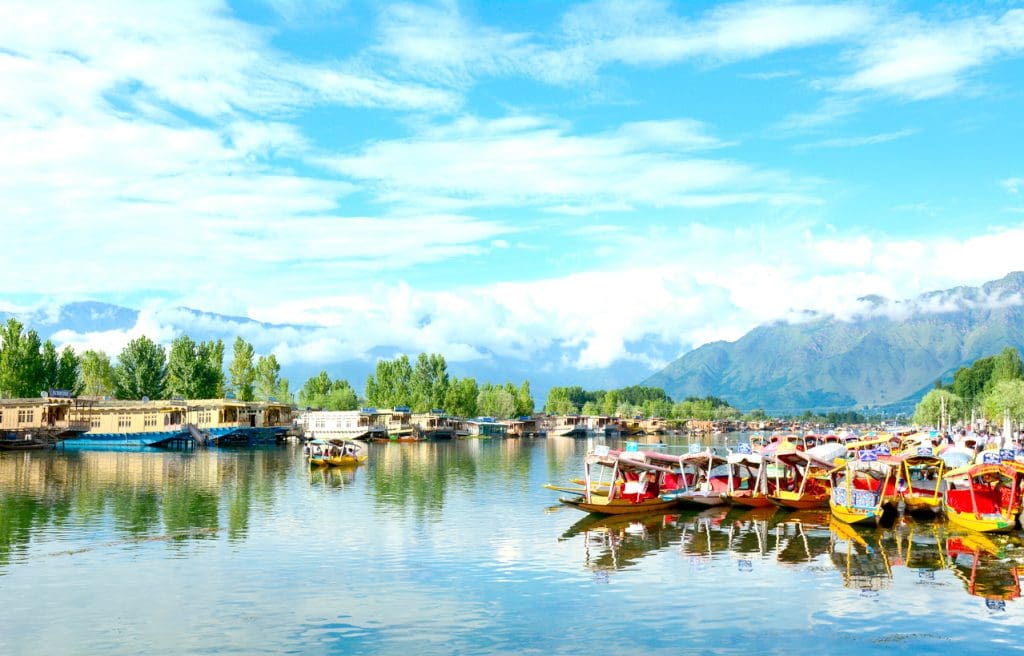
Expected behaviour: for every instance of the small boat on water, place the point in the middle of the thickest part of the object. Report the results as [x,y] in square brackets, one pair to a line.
[864,489]
[922,483]
[990,497]
[747,483]
[704,482]
[335,453]
[624,482]
[801,478]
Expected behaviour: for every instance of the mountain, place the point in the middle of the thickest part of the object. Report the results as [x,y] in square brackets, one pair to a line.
[889,353]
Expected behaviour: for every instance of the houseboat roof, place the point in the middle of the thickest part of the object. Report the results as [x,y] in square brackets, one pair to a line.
[39,400]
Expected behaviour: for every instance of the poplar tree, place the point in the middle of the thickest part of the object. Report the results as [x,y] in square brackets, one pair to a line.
[243,373]
[141,370]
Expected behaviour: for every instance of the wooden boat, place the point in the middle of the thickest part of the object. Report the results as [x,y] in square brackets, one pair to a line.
[624,482]
[747,483]
[801,479]
[704,482]
[864,490]
[24,444]
[921,482]
[335,453]
[991,500]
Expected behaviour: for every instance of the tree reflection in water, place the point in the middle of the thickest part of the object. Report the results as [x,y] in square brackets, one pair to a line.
[136,494]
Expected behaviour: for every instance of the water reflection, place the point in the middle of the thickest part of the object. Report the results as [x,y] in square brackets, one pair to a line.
[133,495]
[868,560]
[612,543]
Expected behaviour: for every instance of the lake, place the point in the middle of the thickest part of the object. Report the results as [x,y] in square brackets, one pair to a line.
[455,548]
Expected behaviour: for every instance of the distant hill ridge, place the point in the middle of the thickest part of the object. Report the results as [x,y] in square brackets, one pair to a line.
[888,354]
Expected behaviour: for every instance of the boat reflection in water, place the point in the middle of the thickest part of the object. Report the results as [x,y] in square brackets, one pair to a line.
[619,542]
[866,559]
[333,477]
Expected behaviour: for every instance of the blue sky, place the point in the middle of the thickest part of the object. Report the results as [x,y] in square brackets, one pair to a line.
[509,178]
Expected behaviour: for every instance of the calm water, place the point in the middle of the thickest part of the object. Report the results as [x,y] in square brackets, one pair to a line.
[456,549]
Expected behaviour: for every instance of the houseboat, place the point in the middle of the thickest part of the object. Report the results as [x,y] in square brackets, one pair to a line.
[132,423]
[485,427]
[523,427]
[231,422]
[433,425]
[364,424]
[39,423]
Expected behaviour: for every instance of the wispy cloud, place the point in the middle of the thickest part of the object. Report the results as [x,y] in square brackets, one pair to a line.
[537,161]
[855,142]
[915,58]
[1013,185]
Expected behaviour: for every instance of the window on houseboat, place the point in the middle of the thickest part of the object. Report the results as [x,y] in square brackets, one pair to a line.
[26,416]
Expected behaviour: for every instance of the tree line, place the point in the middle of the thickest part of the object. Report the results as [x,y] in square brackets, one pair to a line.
[988,387]
[421,386]
[143,369]
[639,400]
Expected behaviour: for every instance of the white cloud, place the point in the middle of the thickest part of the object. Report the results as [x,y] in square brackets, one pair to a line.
[66,56]
[1013,185]
[537,161]
[917,59]
[671,290]
[855,142]
[442,45]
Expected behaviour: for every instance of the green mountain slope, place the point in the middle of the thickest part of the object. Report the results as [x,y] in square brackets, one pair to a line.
[890,354]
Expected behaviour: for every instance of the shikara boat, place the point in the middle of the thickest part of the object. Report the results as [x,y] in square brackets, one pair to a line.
[624,482]
[921,482]
[704,482]
[991,500]
[864,490]
[335,453]
[747,483]
[801,479]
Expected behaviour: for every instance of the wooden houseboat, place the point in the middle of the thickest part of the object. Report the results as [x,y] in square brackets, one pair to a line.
[231,422]
[433,425]
[119,423]
[523,427]
[363,424]
[40,422]
[485,427]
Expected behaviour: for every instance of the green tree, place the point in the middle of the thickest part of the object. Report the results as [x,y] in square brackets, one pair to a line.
[524,400]
[429,382]
[461,398]
[1006,366]
[610,403]
[1004,395]
[268,377]
[283,393]
[141,370]
[391,385]
[50,366]
[194,370]
[323,393]
[67,371]
[928,411]
[495,401]
[590,409]
[22,372]
[969,383]
[96,375]
[212,386]
[242,370]
[560,401]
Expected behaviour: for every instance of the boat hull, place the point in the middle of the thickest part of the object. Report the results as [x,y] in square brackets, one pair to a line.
[794,501]
[336,461]
[758,501]
[156,439]
[982,523]
[604,506]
